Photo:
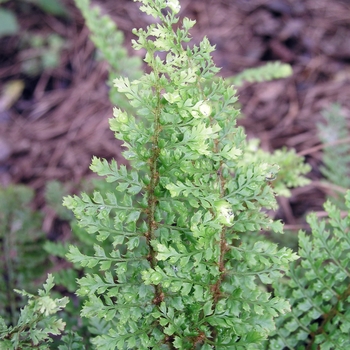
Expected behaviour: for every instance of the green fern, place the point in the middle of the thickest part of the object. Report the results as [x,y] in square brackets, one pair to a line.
[71,341]
[37,322]
[66,277]
[109,41]
[176,273]
[54,192]
[23,261]
[169,250]
[318,288]
[291,167]
[335,136]
[270,71]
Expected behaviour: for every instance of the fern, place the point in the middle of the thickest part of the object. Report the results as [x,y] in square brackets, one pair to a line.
[335,136]
[37,322]
[290,169]
[168,251]
[176,273]
[270,71]
[109,40]
[318,288]
[66,276]
[23,261]
[71,341]
[54,192]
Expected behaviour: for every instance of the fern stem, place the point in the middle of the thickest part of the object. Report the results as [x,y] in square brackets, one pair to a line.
[328,318]
[154,180]
[153,199]
[221,262]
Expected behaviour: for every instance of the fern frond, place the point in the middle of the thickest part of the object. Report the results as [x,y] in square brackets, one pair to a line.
[335,136]
[270,71]
[37,322]
[54,192]
[318,288]
[22,258]
[291,167]
[176,274]
[109,40]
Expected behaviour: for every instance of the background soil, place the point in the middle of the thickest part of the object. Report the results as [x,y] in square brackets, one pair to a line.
[61,119]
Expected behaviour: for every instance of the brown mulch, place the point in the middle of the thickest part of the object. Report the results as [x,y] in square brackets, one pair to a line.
[61,119]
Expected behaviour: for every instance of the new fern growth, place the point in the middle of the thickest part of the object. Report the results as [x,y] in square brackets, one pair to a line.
[176,274]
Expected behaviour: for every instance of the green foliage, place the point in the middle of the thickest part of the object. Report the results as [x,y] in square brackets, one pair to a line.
[335,136]
[109,40]
[54,192]
[168,251]
[318,288]
[175,272]
[38,53]
[270,71]
[8,23]
[52,7]
[71,341]
[290,169]
[23,263]
[66,277]
[37,321]
[8,20]
[23,260]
